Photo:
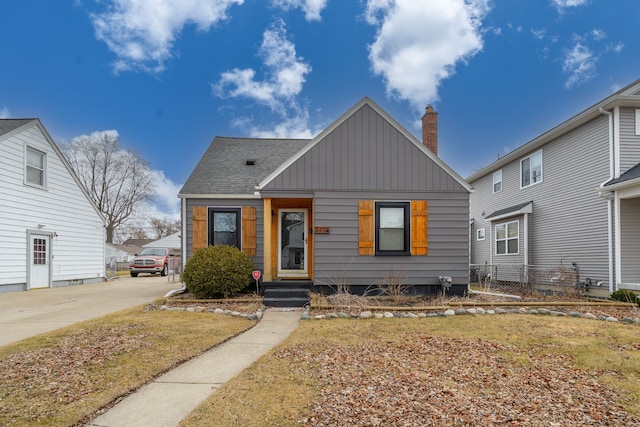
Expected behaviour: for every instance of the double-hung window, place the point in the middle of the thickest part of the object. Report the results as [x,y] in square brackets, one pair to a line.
[507,238]
[393,221]
[224,227]
[497,181]
[531,169]
[35,167]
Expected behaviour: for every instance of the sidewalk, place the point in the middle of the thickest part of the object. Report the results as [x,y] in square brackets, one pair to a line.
[171,397]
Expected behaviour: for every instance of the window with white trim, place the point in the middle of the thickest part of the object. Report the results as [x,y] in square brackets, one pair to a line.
[508,238]
[638,121]
[35,166]
[531,169]
[497,181]
[480,234]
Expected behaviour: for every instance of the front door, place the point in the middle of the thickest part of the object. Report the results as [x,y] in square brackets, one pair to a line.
[292,243]
[39,251]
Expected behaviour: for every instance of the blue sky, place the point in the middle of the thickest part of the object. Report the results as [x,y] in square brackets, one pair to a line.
[170,75]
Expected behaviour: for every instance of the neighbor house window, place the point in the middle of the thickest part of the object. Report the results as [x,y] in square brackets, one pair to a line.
[480,234]
[637,121]
[531,169]
[497,181]
[392,228]
[35,167]
[507,240]
[224,227]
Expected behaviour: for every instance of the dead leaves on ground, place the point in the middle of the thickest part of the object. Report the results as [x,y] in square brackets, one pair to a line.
[436,381]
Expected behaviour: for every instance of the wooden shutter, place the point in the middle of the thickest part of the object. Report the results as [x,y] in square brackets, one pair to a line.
[249,230]
[366,227]
[419,227]
[199,236]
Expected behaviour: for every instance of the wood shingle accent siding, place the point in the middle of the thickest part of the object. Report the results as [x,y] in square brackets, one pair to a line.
[199,222]
[365,227]
[365,153]
[419,227]
[249,230]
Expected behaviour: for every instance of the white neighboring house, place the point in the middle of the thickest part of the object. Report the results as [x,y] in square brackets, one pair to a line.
[51,234]
[172,241]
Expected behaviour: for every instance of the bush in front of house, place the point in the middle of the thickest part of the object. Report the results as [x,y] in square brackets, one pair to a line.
[217,271]
[625,295]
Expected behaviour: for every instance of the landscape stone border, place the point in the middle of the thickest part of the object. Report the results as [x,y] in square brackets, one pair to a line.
[368,314]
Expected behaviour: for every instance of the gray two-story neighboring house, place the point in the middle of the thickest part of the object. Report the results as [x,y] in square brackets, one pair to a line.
[362,204]
[568,200]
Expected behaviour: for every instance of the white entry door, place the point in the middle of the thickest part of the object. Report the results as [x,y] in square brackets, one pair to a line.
[292,243]
[39,260]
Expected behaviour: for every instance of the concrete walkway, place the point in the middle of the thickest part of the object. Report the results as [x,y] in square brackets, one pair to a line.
[171,397]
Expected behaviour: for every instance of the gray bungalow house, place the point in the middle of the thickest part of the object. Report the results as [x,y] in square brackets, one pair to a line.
[363,204]
[568,199]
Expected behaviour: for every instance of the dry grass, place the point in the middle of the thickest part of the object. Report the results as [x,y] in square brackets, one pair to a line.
[62,377]
[481,370]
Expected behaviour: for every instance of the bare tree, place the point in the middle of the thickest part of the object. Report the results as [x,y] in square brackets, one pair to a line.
[116,179]
[162,227]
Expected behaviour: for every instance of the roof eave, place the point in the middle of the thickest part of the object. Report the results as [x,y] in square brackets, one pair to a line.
[564,127]
[255,195]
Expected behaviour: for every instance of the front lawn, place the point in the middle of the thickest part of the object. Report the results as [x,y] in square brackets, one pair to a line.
[63,377]
[516,370]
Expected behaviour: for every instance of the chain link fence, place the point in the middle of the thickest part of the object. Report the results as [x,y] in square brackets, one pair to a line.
[526,280]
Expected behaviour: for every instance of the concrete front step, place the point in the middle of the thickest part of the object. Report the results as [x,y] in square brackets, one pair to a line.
[286,293]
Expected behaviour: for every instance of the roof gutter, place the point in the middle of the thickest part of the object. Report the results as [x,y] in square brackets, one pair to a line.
[608,195]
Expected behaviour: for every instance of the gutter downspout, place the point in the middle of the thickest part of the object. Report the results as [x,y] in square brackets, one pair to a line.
[183,245]
[604,194]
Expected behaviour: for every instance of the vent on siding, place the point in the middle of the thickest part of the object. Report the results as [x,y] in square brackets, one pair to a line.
[251,162]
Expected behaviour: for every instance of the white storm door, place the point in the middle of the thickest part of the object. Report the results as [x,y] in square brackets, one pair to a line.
[292,243]
[39,260]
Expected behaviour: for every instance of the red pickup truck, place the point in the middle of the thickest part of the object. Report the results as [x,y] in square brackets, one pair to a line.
[154,260]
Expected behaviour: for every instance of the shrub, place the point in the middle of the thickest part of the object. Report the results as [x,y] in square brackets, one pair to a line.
[217,271]
[625,295]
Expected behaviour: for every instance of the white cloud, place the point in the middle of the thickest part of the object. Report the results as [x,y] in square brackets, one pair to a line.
[580,63]
[4,113]
[598,34]
[284,79]
[311,8]
[617,47]
[561,5]
[166,202]
[142,32]
[418,44]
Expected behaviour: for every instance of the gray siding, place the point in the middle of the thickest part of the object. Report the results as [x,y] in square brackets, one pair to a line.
[336,258]
[363,153]
[231,203]
[569,220]
[629,141]
[629,238]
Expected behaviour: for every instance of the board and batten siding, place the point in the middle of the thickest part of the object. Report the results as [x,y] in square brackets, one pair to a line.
[629,241]
[231,203]
[629,141]
[569,219]
[62,208]
[364,153]
[336,257]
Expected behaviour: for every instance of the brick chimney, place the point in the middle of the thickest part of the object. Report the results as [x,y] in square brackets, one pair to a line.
[430,129]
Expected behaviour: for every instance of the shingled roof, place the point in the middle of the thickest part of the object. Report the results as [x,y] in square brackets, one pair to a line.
[632,173]
[224,168]
[7,125]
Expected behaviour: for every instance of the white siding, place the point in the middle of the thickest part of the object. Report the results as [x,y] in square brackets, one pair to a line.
[78,243]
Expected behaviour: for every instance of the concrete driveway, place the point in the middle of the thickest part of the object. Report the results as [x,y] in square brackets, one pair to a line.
[25,314]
